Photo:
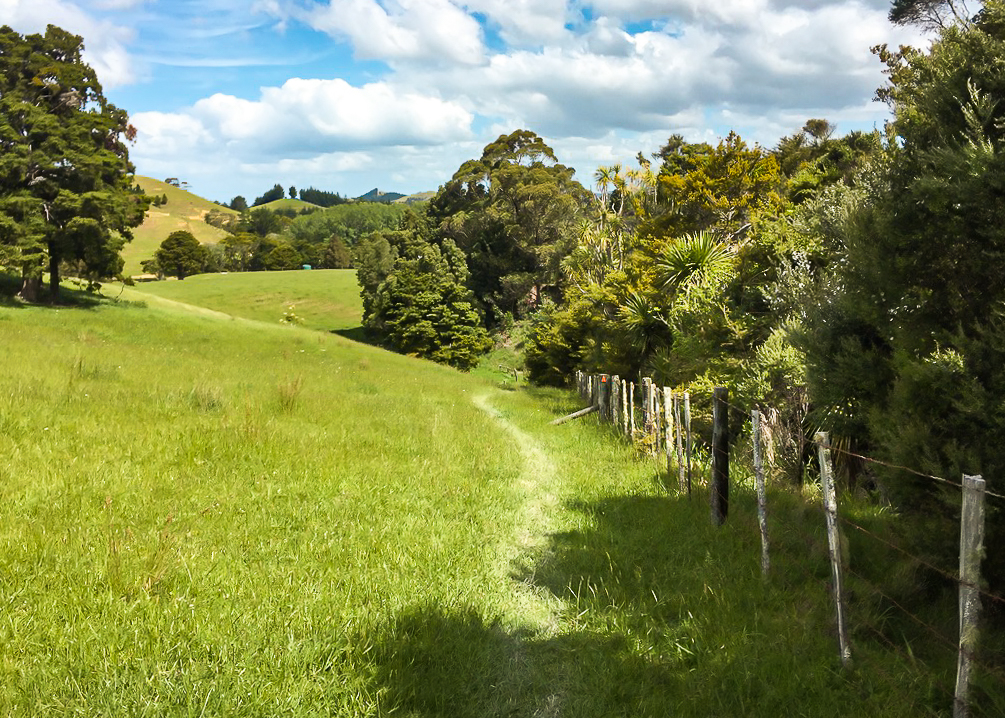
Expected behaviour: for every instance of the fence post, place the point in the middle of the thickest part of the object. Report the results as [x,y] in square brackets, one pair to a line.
[971,548]
[687,428]
[615,399]
[681,476]
[669,433]
[657,424]
[720,456]
[631,409]
[762,501]
[625,406]
[833,540]
[604,397]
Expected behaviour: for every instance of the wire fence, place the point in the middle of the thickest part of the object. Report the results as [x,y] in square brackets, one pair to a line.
[658,421]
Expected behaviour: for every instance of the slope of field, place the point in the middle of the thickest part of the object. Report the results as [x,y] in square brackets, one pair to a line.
[208,515]
[288,203]
[183,210]
[325,299]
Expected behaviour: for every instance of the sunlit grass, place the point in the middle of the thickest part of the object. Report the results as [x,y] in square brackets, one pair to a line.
[201,516]
[326,299]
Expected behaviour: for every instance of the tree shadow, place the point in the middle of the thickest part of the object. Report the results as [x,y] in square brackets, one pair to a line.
[436,662]
[69,296]
[359,335]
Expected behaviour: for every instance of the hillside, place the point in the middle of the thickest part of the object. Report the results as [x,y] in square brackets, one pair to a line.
[376,195]
[326,299]
[288,203]
[183,211]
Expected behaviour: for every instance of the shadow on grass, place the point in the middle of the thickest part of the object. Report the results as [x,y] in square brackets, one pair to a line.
[662,614]
[69,298]
[431,662]
[358,334]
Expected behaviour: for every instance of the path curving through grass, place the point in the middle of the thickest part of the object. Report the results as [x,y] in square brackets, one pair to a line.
[538,486]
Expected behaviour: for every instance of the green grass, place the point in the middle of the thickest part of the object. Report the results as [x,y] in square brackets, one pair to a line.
[203,516]
[288,203]
[326,299]
[183,211]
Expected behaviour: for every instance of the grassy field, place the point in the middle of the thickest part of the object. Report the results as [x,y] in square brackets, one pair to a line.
[183,210]
[326,299]
[288,203]
[208,516]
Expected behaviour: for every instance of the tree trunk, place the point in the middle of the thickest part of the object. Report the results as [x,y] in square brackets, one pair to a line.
[53,276]
[30,288]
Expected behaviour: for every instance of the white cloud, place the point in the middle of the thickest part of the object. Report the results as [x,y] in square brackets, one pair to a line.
[297,129]
[526,22]
[417,30]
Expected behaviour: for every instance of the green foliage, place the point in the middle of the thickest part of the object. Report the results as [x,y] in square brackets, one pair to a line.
[66,191]
[515,213]
[351,222]
[906,339]
[424,308]
[336,255]
[277,192]
[181,255]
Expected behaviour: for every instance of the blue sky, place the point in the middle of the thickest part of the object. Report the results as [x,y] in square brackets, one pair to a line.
[234,96]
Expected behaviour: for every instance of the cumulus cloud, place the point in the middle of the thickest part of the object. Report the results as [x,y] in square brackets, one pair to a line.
[419,30]
[301,120]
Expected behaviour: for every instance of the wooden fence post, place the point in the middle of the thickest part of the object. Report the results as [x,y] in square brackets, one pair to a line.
[625,406]
[657,424]
[681,475]
[688,452]
[669,432]
[615,399]
[762,501]
[631,408]
[971,548]
[720,456]
[833,540]
[604,397]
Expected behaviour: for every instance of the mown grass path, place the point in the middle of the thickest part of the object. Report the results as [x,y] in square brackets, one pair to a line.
[538,485]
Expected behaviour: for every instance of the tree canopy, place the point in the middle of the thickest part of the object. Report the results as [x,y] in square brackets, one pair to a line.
[66,191]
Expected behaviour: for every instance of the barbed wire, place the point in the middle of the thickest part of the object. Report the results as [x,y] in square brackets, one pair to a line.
[951,576]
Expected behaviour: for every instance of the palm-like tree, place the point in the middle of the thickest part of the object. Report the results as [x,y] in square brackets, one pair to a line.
[695,260]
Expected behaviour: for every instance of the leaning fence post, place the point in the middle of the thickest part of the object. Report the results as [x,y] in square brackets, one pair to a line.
[971,548]
[762,502]
[719,494]
[833,541]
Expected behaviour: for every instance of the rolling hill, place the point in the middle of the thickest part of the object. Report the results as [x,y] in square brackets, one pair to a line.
[183,210]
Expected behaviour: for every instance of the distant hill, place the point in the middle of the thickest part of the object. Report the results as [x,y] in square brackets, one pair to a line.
[417,197]
[375,195]
[287,203]
[183,210]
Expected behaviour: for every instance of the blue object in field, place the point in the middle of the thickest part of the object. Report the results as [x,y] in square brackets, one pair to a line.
[307,266]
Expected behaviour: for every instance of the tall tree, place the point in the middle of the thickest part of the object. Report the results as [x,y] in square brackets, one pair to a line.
[909,335]
[181,255]
[515,213]
[66,191]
